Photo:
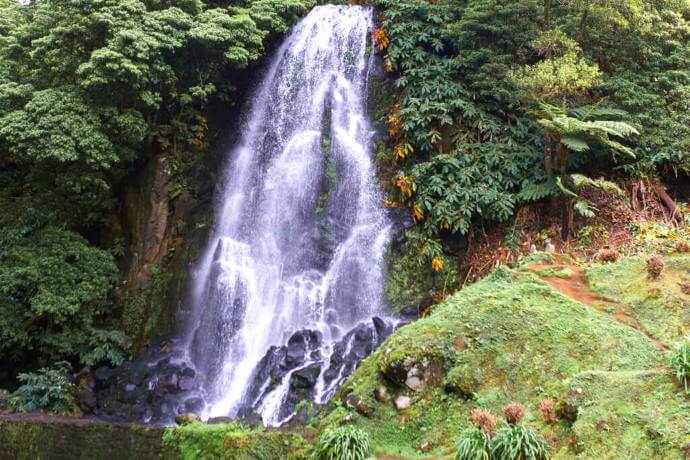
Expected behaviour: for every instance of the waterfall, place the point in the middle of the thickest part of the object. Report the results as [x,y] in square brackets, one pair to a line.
[300,230]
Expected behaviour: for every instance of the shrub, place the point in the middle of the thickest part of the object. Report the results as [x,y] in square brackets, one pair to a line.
[55,285]
[484,419]
[680,363]
[519,442]
[547,409]
[655,264]
[608,255]
[342,443]
[474,444]
[47,389]
[685,288]
[513,413]
[682,246]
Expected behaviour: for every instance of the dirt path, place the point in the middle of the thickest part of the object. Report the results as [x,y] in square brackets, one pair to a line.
[577,288]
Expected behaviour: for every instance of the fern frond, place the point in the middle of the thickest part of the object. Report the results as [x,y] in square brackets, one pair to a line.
[585,208]
[536,192]
[580,181]
[575,143]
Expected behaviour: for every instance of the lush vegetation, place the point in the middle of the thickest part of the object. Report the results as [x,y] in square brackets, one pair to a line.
[48,389]
[89,92]
[499,104]
[342,443]
[233,442]
[493,105]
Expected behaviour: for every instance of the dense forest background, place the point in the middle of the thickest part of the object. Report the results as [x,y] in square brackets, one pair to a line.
[107,106]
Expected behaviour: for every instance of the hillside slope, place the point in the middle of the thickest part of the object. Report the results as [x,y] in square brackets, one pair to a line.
[513,337]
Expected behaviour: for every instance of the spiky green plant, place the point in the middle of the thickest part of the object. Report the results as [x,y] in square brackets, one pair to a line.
[474,444]
[680,362]
[342,443]
[519,443]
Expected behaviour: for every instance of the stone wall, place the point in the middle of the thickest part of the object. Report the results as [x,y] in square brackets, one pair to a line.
[41,437]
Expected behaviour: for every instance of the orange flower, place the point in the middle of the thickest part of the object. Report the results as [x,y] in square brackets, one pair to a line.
[437,264]
[381,39]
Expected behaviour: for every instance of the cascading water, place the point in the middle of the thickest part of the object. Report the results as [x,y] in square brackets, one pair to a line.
[296,254]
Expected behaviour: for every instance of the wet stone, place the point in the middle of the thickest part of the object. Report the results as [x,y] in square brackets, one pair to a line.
[218,420]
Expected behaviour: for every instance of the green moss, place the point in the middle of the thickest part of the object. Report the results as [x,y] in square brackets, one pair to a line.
[513,338]
[660,306]
[30,438]
[234,442]
[409,284]
[636,414]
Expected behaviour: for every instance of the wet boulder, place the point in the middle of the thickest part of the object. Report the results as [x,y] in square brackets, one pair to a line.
[299,347]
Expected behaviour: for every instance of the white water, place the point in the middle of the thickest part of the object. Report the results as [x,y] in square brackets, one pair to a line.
[300,232]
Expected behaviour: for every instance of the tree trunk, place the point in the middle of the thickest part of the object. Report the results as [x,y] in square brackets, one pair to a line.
[670,204]
[548,159]
[566,202]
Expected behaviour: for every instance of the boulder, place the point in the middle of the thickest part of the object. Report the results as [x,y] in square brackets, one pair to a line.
[194,404]
[219,420]
[381,395]
[306,377]
[415,373]
[403,402]
[357,404]
[300,345]
[186,419]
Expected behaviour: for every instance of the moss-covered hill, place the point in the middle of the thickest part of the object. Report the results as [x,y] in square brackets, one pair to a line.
[520,335]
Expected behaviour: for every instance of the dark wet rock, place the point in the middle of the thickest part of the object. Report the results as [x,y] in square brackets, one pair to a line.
[305,378]
[303,352]
[153,389]
[218,420]
[271,369]
[186,383]
[194,404]
[299,345]
[188,372]
[382,328]
[169,382]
